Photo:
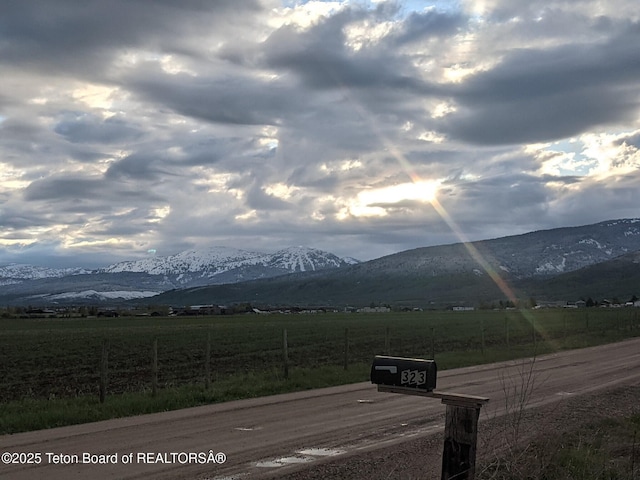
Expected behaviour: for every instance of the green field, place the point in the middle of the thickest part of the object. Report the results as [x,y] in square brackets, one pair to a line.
[53,366]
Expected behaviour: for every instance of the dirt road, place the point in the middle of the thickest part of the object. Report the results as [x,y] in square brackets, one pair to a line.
[271,436]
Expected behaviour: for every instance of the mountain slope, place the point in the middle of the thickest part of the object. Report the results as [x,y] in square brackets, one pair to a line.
[485,271]
[618,277]
[535,254]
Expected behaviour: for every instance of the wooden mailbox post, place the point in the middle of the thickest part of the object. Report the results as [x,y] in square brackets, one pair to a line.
[463,411]
[460,435]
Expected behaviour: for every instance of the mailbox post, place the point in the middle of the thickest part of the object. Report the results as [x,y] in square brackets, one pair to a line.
[412,376]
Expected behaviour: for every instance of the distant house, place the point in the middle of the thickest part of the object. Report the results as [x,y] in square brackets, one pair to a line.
[40,313]
[463,309]
[193,310]
[374,310]
[202,310]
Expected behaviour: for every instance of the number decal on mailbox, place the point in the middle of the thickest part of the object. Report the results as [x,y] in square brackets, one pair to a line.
[413,377]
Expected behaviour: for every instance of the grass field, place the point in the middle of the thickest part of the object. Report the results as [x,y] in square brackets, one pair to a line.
[53,366]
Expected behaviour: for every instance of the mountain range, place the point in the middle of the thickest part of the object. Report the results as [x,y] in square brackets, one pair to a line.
[553,264]
[562,264]
[33,285]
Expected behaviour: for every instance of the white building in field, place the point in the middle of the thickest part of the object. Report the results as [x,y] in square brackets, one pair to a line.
[374,310]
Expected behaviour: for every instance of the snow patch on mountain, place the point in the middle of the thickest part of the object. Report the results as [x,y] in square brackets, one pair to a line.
[95,295]
[550,267]
[302,259]
[591,241]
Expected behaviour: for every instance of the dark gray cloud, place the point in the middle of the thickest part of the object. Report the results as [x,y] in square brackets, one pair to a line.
[59,188]
[80,127]
[421,26]
[53,254]
[322,60]
[632,140]
[234,100]
[139,167]
[66,38]
[541,95]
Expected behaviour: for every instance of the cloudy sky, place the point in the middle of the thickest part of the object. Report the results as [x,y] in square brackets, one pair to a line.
[364,128]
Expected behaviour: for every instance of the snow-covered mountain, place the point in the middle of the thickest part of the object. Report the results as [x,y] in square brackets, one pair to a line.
[146,277]
[18,273]
[209,263]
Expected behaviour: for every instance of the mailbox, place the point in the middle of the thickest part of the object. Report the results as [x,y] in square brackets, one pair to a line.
[411,373]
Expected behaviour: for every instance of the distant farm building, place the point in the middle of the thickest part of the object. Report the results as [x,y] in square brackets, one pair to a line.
[199,310]
[374,310]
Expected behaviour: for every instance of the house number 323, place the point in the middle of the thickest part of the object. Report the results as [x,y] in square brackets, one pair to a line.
[413,377]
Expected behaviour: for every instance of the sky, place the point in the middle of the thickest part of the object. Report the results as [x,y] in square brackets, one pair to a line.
[131,128]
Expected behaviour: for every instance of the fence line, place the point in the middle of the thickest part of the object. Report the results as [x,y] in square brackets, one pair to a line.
[198,356]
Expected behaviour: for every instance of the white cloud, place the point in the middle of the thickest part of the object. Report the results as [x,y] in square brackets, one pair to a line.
[304,15]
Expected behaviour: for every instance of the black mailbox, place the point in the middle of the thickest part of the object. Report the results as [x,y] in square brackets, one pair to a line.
[404,372]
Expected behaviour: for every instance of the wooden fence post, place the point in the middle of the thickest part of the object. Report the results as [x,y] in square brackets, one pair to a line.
[346,349]
[387,347]
[433,343]
[506,328]
[104,370]
[154,368]
[207,362]
[482,335]
[285,353]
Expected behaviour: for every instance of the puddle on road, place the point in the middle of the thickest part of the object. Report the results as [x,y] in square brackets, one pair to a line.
[247,429]
[303,456]
[281,462]
[239,476]
[320,452]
